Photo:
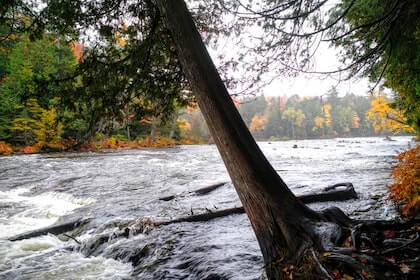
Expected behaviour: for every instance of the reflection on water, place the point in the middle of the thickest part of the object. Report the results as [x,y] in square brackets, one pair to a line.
[117,187]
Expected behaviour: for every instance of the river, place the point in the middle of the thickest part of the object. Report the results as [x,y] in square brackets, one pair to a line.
[117,187]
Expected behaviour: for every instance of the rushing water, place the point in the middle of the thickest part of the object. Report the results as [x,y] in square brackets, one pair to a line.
[116,187]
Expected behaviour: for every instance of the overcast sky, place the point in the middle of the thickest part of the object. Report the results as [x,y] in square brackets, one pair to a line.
[314,85]
[325,60]
[310,84]
[317,84]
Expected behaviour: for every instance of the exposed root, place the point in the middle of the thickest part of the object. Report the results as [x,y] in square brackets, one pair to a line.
[320,266]
[347,249]
[373,250]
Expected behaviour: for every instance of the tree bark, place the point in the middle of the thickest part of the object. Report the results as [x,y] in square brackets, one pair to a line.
[283,225]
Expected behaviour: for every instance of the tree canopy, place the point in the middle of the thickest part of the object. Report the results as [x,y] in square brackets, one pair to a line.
[374,38]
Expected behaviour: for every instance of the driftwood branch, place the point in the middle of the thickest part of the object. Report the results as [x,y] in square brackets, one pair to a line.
[329,194]
[56,229]
[200,191]
[203,217]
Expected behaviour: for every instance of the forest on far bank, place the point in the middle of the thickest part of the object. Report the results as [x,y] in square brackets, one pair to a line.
[42,111]
[330,115]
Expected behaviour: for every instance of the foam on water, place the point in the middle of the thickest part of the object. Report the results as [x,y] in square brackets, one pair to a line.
[46,258]
[35,211]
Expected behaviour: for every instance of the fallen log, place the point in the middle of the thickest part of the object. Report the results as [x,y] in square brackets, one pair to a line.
[200,191]
[56,229]
[203,217]
[330,194]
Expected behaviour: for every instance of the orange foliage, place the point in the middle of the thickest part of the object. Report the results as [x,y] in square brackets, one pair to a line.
[257,123]
[112,143]
[406,187]
[5,149]
[77,50]
[108,143]
[356,120]
[146,120]
[32,149]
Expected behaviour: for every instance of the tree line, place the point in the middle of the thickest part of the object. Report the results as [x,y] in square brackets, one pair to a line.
[281,117]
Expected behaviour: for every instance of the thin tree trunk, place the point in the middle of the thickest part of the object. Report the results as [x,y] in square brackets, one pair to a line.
[280,222]
[153,130]
[293,130]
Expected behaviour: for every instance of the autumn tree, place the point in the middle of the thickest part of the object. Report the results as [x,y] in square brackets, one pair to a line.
[386,118]
[294,119]
[257,124]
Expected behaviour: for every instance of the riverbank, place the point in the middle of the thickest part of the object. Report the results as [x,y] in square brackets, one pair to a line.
[90,146]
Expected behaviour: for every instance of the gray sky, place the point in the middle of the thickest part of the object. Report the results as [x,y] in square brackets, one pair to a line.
[325,60]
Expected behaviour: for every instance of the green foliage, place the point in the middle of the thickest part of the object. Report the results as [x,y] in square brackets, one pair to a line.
[31,69]
[35,66]
[391,47]
[26,122]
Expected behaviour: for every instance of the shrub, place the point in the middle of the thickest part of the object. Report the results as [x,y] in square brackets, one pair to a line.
[406,187]
[5,149]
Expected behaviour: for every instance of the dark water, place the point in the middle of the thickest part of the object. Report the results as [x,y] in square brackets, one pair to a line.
[118,187]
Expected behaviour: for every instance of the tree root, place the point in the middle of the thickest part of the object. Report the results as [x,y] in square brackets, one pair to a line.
[367,252]
[323,270]
[356,250]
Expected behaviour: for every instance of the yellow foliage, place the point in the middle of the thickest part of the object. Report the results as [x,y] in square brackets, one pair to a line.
[386,118]
[41,124]
[327,115]
[184,125]
[319,122]
[294,116]
[406,187]
[49,130]
[5,149]
[257,123]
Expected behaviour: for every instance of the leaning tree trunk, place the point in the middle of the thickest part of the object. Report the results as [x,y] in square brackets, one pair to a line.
[282,224]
